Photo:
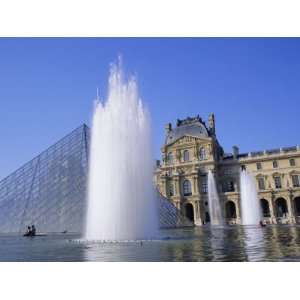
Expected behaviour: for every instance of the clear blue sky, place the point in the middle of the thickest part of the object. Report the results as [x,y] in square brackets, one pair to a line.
[47,87]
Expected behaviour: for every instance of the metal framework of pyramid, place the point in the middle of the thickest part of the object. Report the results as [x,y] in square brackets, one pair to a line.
[50,190]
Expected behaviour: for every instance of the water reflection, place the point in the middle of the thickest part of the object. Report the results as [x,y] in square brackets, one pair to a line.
[228,243]
[283,243]
[254,243]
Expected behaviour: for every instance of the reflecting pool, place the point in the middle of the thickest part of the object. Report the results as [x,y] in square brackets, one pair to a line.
[236,243]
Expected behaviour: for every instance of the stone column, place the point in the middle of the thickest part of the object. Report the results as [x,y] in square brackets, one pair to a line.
[191,179]
[238,211]
[272,214]
[291,209]
[274,218]
[196,184]
[164,186]
[176,186]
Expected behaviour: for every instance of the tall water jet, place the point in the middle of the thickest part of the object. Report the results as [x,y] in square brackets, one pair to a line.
[121,199]
[251,213]
[215,211]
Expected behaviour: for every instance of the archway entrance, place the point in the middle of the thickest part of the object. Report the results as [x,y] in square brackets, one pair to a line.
[265,208]
[230,210]
[189,211]
[207,217]
[281,208]
[297,206]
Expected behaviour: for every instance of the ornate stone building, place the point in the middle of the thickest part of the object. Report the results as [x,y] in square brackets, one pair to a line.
[191,149]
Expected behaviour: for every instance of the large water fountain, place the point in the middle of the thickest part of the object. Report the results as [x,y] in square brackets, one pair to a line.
[121,199]
[215,211]
[251,213]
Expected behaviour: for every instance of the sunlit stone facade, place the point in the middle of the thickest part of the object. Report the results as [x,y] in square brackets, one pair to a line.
[192,148]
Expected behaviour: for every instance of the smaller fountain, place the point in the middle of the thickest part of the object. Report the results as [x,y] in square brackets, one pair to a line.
[215,211]
[251,213]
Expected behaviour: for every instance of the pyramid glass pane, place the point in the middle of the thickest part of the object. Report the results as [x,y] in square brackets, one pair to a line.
[49,191]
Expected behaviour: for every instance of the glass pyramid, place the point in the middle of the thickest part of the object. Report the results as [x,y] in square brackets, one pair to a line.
[50,191]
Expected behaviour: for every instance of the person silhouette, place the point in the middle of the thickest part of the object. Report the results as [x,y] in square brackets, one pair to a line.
[28,232]
[33,230]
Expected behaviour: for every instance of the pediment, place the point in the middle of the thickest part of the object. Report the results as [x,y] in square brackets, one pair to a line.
[189,139]
[294,172]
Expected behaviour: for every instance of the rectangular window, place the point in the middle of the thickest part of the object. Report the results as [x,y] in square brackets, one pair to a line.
[275,164]
[259,166]
[296,182]
[204,187]
[292,162]
[261,183]
[228,186]
[277,181]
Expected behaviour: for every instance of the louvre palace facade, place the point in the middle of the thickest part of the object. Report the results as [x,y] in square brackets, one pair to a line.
[191,149]
[50,190]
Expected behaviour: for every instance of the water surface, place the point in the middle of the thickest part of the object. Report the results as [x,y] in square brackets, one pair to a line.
[236,243]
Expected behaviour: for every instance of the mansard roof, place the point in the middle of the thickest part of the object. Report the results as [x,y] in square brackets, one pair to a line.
[189,126]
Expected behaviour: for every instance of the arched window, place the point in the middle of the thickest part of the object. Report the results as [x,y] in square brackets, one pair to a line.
[170,158]
[187,189]
[171,189]
[186,155]
[202,154]
[189,211]
[265,208]
[230,210]
[297,206]
[281,208]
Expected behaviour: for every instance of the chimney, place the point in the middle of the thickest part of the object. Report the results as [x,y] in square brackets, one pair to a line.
[235,150]
[168,128]
[212,124]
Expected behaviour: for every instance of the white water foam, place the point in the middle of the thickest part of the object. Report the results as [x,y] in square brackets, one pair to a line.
[215,211]
[251,212]
[121,197]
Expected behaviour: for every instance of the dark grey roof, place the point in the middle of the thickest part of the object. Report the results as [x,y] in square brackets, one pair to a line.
[193,128]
